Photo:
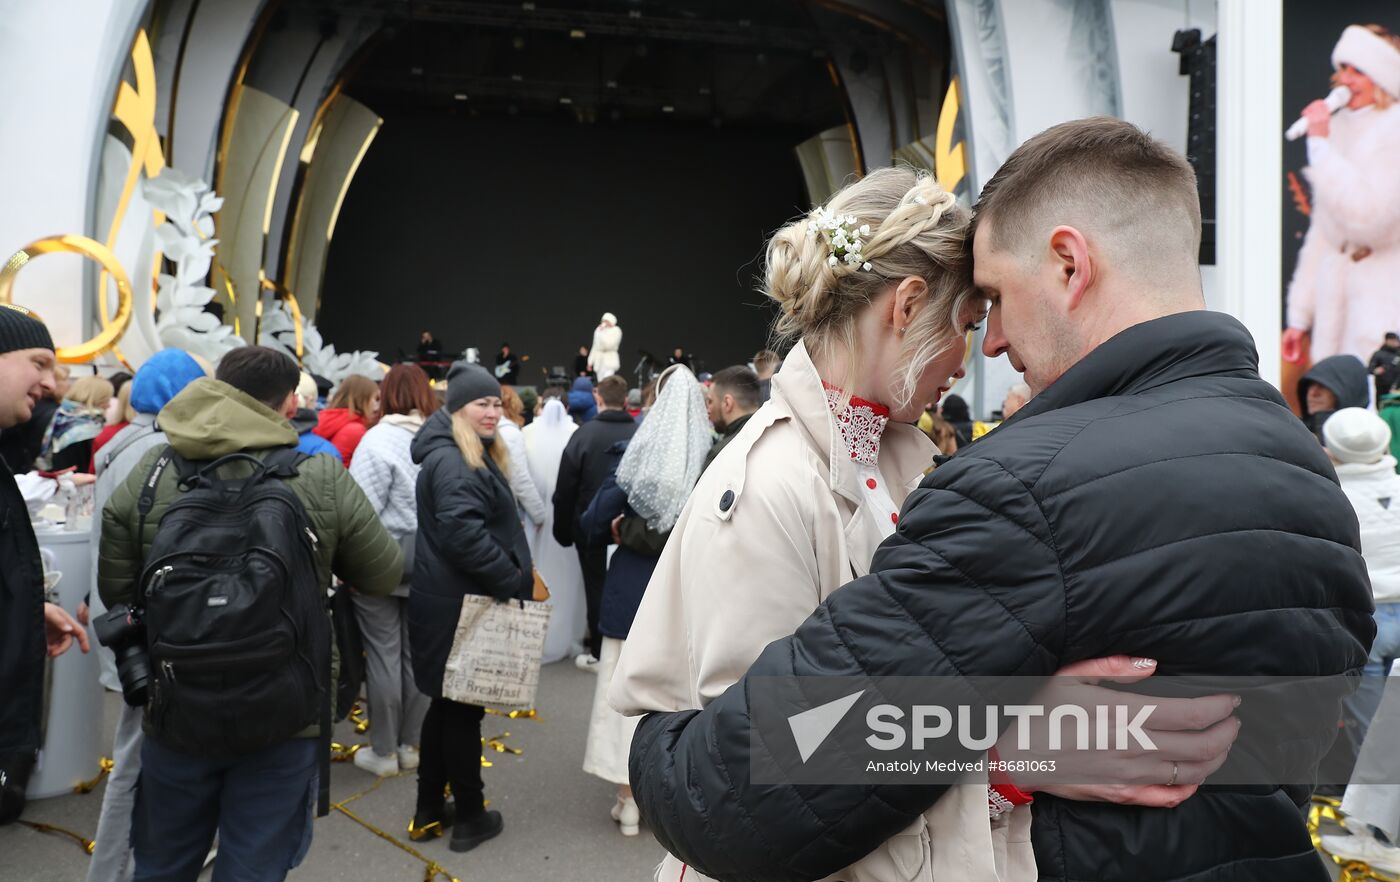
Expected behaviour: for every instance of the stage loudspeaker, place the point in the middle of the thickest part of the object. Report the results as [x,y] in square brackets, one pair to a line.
[1198,63]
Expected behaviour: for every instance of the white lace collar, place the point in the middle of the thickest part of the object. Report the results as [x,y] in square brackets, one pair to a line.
[861,424]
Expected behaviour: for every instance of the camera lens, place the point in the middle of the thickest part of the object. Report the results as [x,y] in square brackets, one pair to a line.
[121,630]
[134,671]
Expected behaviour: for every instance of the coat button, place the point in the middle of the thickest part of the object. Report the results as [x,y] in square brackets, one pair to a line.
[726,502]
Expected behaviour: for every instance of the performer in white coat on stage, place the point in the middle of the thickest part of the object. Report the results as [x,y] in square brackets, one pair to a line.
[603,358]
[1344,288]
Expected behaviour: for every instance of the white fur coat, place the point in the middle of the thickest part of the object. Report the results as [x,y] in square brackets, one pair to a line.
[603,357]
[1348,304]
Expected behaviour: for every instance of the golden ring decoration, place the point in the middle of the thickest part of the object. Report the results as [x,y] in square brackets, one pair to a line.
[107,338]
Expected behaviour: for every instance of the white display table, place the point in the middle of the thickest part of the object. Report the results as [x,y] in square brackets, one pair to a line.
[71,748]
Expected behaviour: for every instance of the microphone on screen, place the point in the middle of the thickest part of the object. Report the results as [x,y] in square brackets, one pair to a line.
[1336,100]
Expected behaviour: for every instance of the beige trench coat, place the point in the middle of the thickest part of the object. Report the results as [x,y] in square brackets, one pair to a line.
[732,580]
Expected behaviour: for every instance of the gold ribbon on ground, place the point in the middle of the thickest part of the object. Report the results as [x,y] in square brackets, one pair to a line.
[104,767]
[431,869]
[84,843]
[342,753]
[498,744]
[94,250]
[530,714]
[1325,808]
[357,716]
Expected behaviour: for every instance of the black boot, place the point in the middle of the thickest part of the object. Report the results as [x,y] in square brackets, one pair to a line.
[468,833]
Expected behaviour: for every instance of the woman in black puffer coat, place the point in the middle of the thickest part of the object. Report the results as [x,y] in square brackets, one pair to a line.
[469,542]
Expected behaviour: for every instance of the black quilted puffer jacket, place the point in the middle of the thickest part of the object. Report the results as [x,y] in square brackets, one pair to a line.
[1158,500]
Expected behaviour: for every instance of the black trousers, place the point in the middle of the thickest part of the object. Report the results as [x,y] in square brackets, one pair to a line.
[594,562]
[450,753]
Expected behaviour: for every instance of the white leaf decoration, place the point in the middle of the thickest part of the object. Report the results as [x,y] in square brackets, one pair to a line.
[186,239]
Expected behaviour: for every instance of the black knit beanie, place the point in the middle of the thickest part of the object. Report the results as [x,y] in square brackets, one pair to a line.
[466,382]
[19,329]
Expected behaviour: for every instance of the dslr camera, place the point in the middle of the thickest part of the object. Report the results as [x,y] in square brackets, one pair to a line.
[121,630]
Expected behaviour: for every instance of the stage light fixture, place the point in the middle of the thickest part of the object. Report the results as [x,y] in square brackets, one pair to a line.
[668,108]
[612,84]
[460,96]
[517,78]
[565,99]
[577,34]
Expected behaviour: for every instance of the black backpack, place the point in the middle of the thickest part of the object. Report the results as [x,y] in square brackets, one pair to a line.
[234,608]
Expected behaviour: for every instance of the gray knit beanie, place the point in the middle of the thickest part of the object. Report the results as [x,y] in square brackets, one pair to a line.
[466,382]
[19,329]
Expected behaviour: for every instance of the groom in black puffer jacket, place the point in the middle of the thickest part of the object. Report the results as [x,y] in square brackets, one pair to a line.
[1156,498]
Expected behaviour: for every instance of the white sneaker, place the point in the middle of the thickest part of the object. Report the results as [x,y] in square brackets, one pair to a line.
[383,766]
[408,757]
[627,815]
[586,661]
[1366,849]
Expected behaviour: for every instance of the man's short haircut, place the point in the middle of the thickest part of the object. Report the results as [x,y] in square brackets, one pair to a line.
[267,375]
[613,391]
[740,382]
[1102,175]
[1392,336]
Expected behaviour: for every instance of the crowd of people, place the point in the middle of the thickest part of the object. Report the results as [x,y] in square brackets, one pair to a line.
[835,511]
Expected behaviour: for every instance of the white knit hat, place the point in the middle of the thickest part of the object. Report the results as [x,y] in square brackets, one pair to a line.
[1354,434]
[1371,54]
[307,393]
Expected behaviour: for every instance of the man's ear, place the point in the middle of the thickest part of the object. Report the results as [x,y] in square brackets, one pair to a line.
[1074,269]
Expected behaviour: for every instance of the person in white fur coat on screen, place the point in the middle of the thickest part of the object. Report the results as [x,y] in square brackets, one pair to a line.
[603,358]
[1346,288]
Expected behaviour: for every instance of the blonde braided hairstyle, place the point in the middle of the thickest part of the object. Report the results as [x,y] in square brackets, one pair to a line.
[916,229]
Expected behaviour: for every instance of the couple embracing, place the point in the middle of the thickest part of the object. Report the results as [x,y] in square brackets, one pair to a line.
[1154,509]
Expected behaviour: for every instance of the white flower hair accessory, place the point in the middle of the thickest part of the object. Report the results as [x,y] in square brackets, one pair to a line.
[843,237]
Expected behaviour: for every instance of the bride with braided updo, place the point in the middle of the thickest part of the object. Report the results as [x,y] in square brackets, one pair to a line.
[875,289]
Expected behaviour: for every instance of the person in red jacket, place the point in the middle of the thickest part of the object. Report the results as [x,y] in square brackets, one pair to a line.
[353,410]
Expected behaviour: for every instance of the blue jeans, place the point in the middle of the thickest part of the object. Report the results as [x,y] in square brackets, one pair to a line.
[1361,705]
[262,805]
